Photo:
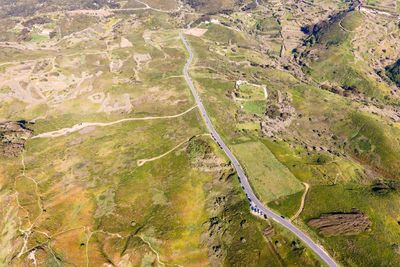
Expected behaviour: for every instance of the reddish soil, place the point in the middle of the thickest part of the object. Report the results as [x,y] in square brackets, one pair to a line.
[334,224]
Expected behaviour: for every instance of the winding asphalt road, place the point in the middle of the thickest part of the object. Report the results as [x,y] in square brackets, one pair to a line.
[256,205]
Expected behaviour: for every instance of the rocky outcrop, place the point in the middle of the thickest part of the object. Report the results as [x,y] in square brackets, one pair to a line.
[13,136]
[278,115]
[35,21]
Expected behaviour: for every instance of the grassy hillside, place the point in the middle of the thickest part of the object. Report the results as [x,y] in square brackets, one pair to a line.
[144,185]
[335,60]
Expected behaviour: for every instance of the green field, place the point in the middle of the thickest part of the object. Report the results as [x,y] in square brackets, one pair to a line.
[255,107]
[269,177]
[250,91]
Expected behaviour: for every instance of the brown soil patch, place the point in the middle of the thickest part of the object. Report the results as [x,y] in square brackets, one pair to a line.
[87,130]
[334,224]
[269,231]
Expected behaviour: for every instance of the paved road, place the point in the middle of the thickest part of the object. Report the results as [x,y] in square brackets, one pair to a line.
[256,205]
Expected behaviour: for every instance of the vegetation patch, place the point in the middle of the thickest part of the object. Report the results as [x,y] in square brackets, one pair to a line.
[393,72]
[105,203]
[255,107]
[37,38]
[383,187]
[245,90]
[198,149]
[331,57]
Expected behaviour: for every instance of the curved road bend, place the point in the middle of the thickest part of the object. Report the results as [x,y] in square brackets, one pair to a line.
[255,203]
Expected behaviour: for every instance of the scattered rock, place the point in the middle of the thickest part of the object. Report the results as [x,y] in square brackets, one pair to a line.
[396,248]
[13,136]
[278,115]
[141,58]
[36,21]
[116,65]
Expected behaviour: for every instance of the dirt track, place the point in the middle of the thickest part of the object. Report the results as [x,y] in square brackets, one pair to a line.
[80,126]
[141,162]
[303,198]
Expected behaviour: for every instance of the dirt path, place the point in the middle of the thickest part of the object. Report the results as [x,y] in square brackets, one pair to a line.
[89,235]
[159,10]
[141,162]
[303,198]
[343,28]
[104,12]
[50,238]
[265,92]
[26,233]
[152,249]
[376,12]
[80,126]
[158,256]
